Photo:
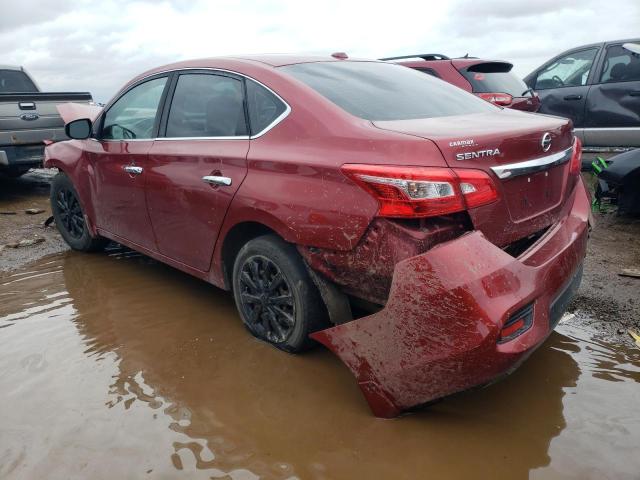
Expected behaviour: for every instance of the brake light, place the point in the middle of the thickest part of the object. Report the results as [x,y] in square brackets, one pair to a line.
[502,99]
[576,157]
[422,191]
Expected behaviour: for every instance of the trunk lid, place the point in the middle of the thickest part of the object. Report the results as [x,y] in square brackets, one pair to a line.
[529,200]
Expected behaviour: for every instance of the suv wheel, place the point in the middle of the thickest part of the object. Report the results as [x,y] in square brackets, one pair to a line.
[277,300]
[69,216]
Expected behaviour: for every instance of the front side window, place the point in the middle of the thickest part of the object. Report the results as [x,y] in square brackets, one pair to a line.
[15,81]
[133,115]
[384,91]
[572,70]
[264,107]
[206,105]
[620,65]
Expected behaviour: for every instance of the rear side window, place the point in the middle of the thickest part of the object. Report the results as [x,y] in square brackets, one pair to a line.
[620,65]
[264,107]
[15,81]
[206,105]
[384,91]
[494,77]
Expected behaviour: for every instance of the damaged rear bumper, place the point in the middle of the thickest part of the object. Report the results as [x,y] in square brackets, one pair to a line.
[440,330]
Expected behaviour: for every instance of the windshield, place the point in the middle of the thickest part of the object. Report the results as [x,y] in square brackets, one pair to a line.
[15,81]
[384,91]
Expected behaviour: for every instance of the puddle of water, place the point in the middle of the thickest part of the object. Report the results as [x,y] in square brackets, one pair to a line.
[115,366]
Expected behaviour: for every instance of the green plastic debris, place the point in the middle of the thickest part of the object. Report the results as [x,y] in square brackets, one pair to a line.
[598,165]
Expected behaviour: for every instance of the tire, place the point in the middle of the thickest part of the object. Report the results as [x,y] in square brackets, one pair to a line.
[69,216]
[283,313]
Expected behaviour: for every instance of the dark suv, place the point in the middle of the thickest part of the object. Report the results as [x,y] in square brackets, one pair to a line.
[490,80]
[597,86]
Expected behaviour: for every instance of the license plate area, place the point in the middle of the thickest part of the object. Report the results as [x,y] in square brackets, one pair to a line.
[562,300]
[533,194]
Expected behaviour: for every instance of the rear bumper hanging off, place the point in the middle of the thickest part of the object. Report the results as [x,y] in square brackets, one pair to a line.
[440,330]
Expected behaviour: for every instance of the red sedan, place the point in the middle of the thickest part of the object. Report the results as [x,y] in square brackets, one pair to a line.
[429,238]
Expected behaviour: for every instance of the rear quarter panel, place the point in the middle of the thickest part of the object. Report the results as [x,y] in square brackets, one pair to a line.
[294,184]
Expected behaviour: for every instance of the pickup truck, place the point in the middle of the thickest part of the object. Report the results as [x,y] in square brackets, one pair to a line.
[28,117]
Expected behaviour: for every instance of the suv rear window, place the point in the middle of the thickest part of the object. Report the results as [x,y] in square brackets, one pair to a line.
[384,91]
[494,77]
[15,81]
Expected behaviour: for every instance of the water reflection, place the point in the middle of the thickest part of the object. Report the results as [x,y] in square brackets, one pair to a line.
[250,406]
[187,378]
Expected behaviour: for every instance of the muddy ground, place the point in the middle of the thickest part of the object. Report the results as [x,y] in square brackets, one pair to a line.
[17,195]
[606,301]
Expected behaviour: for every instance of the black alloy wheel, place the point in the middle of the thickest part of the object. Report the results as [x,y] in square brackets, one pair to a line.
[267,302]
[69,216]
[276,297]
[70,213]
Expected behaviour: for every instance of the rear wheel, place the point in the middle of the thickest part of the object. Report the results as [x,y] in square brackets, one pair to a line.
[69,216]
[277,300]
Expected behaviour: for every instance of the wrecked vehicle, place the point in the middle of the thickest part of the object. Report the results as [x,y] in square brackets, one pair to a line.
[27,118]
[427,237]
[619,181]
[597,86]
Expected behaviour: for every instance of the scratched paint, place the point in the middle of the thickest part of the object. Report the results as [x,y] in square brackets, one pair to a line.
[113,366]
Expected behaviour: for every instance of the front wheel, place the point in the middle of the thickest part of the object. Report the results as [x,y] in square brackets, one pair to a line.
[277,300]
[69,216]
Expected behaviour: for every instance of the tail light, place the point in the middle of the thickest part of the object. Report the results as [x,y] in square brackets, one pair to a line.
[414,192]
[502,99]
[576,157]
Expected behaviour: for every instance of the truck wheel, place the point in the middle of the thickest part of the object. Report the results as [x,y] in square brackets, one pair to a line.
[277,300]
[69,216]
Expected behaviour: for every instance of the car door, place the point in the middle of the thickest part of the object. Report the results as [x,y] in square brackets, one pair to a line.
[125,133]
[613,103]
[197,164]
[563,84]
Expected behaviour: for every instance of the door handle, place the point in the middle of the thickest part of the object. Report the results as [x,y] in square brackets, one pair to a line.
[132,169]
[635,93]
[573,97]
[216,180]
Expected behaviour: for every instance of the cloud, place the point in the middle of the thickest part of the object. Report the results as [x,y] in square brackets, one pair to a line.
[98,46]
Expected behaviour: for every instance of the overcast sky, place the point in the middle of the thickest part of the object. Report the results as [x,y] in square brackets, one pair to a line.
[99,45]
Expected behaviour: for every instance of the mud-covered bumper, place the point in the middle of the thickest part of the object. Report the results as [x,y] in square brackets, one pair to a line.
[440,330]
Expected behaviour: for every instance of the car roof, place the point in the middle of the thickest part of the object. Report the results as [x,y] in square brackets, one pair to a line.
[240,62]
[11,67]
[281,59]
[599,44]
[271,59]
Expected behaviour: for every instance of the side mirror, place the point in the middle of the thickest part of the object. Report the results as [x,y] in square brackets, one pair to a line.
[78,129]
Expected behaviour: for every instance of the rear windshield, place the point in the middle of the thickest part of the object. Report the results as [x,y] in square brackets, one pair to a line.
[495,77]
[15,81]
[384,91]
